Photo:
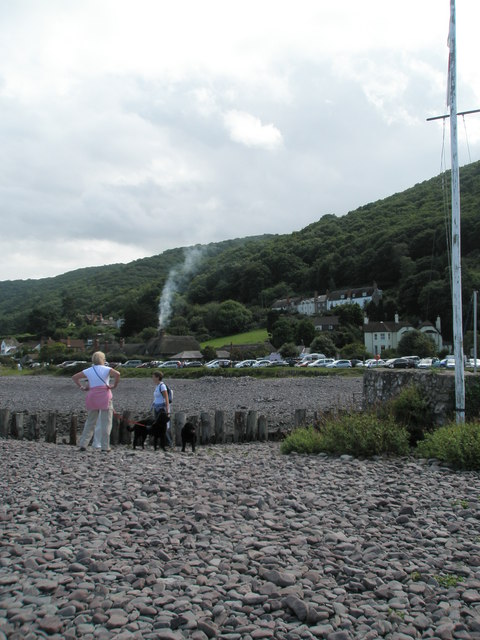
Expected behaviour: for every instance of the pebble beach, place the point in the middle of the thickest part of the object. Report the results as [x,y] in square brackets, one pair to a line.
[236,541]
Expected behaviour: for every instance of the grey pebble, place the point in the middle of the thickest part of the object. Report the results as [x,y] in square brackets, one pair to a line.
[235,542]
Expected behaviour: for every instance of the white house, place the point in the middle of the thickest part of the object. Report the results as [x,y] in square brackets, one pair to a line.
[379,336]
[357,295]
[9,346]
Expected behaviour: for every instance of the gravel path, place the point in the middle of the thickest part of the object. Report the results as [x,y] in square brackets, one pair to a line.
[235,542]
[275,398]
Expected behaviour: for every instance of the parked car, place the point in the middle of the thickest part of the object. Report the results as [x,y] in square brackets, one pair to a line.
[172,364]
[426,363]
[193,363]
[262,363]
[372,363]
[357,363]
[218,363]
[68,364]
[309,357]
[244,363]
[397,363]
[340,364]
[470,364]
[447,363]
[321,362]
[130,364]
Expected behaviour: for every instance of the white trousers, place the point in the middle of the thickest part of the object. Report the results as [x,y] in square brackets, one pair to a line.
[105,417]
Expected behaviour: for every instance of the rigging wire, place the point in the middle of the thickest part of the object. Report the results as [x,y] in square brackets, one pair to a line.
[466,138]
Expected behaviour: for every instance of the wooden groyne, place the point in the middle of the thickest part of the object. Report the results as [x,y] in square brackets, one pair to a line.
[55,427]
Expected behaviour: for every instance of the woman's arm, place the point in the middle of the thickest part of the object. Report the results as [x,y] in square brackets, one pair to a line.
[78,377]
[167,404]
[116,378]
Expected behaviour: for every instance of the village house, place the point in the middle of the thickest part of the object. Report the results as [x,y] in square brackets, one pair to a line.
[318,304]
[358,295]
[9,346]
[379,336]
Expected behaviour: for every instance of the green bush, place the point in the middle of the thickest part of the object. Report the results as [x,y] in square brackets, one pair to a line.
[411,409]
[360,435]
[456,444]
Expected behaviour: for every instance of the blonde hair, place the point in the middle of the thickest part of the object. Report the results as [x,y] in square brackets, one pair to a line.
[98,357]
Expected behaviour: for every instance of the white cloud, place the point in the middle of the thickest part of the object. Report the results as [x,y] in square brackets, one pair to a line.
[248,130]
[130,128]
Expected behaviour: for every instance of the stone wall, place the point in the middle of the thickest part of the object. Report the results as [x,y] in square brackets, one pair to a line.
[438,386]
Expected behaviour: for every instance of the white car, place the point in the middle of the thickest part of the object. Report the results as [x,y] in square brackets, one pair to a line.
[262,363]
[244,363]
[321,362]
[340,364]
[373,362]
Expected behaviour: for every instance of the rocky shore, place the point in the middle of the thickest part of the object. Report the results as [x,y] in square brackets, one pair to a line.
[234,542]
[277,399]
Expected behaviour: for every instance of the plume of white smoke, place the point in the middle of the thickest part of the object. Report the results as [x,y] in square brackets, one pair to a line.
[176,276]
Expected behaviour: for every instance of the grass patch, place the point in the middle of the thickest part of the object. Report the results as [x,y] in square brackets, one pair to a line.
[249,337]
[361,435]
[456,444]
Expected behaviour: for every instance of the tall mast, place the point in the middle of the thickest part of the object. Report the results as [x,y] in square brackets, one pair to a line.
[456,254]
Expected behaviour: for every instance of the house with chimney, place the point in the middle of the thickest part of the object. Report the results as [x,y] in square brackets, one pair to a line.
[318,304]
[380,336]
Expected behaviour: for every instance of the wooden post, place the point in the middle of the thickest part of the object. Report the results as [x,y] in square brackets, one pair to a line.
[51,428]
[239,426]
[205,428]
[73,429]
[179,419]
[251,431]
[124,435]
[115,432]
[16,428]
[300,418]
[219,426]
[262,429]
[4,422]
[33,427]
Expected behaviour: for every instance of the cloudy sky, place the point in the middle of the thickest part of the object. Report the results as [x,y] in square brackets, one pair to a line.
[131,127]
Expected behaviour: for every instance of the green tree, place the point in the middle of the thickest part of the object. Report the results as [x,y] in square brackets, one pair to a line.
[53,352]
[350,314]
[323,343]
[233,317]
[283,331]
[305,332]
[416,343]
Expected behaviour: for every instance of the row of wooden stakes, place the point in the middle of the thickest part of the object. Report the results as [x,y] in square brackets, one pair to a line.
[247,426]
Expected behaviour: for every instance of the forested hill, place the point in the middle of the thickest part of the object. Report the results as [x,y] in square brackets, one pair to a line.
[401,242]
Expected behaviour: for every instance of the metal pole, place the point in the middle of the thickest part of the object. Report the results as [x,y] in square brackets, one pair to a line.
[456,255]
[475,331]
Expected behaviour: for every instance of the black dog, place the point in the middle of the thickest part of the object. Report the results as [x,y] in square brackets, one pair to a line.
[189,435]
[155,427]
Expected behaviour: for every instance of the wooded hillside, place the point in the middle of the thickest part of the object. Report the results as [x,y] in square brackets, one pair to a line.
[401,242]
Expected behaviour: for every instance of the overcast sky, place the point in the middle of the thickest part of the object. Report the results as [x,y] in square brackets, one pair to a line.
[131,127]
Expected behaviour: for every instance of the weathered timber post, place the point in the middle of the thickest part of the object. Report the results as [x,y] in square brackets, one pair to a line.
[219,426]
[262,428]
[123,433]
[300,419]
[73,429]
[4,422]
[239,426]
[33,427]
[251,430]
[205,428]
[115,432]
[51,428]
[16,428]
[179,420]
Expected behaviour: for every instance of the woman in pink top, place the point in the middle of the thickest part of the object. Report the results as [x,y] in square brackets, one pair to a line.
[96,381]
